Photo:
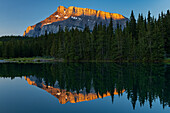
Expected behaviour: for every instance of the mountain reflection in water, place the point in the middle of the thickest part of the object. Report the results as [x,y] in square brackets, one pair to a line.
[78,82]
[65,96]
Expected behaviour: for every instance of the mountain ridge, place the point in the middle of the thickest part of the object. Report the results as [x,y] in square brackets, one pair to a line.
[74,17]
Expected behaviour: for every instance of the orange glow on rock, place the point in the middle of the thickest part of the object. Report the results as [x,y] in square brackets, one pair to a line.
[63,13]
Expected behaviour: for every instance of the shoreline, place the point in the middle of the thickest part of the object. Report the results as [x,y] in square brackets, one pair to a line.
[28,60]
[52,60]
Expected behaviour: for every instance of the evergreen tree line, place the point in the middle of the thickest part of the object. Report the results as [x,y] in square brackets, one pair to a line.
[144,39]
[142,83]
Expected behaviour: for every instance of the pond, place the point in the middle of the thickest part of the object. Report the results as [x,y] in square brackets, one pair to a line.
[84,88]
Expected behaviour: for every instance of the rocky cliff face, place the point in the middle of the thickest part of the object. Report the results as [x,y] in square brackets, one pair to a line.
[74,17]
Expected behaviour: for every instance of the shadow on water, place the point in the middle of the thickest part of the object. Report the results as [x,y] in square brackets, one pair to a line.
[78,82]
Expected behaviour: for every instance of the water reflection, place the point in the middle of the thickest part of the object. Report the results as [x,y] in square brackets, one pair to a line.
[65,96]
[78,82]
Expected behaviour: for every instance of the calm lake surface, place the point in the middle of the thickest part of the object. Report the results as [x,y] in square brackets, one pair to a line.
[84,88]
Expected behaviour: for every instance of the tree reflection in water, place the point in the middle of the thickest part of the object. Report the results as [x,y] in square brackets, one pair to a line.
[78,82]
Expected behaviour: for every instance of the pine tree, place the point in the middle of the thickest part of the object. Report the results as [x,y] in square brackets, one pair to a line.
[166,25]
[60,49]
[158,50]
[127,43]
[71,46]
[77,45]
[132,29]
[149,37]
[141,46]
[99,42]
[86,44]
[94,37]
[67,43]
[1,49]
[117,47]
[109,39]
[132,25]
[53,52]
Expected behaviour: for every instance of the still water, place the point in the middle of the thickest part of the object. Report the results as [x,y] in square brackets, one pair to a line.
[84,88]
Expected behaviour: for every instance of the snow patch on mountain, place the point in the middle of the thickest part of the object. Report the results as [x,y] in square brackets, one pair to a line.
[47,23]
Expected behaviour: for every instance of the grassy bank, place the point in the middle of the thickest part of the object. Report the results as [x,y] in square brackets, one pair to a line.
[167,60]
[47,60]
[28,60]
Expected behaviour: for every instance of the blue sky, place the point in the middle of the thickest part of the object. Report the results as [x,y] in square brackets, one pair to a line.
[17,15]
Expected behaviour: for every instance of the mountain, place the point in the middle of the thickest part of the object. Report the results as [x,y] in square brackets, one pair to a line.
[73,17]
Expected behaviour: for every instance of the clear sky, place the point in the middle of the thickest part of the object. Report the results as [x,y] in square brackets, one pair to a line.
[17,15]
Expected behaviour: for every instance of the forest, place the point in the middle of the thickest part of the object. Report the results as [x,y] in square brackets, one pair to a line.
[142,40]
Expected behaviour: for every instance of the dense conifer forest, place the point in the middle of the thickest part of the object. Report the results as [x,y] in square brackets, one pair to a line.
[144,40]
